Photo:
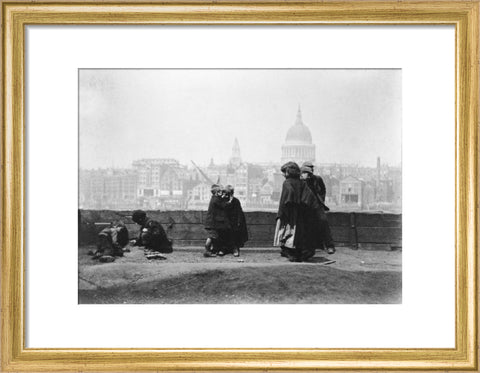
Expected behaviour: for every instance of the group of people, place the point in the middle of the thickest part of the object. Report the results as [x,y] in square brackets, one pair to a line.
[225,223]
[302,225]
[112,241]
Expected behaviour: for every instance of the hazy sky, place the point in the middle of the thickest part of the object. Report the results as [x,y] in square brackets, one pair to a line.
[353,115]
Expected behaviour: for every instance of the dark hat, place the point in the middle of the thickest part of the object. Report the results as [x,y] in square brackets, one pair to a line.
[306,169]
[215,188]
[307,164]
[139,216]
[288,165]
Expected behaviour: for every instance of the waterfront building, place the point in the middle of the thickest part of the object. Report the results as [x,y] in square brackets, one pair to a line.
[351,192]
[160,183]
[107,189]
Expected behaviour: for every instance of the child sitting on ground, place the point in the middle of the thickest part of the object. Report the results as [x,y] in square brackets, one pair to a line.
[111,242]
[152,236]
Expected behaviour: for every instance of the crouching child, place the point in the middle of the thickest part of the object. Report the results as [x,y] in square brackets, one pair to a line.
[111,242]
[152,236]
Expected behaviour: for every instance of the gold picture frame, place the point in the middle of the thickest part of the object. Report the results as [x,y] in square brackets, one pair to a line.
[464,15]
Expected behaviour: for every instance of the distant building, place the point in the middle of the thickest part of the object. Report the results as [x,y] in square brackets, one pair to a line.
[236,158]
[351,192]
[234,173]
[164,183]
[266,193]
[160,183]
[298,146]
[333,191]
[114,189]
[237,174]
[256,178]
[199,197]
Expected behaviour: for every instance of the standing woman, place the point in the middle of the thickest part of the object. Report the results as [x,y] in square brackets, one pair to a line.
[290,229]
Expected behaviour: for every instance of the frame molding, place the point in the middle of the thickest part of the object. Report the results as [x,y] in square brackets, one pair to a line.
[464,15]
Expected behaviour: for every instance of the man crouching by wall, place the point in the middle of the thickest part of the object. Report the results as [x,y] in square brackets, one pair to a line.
[152,236]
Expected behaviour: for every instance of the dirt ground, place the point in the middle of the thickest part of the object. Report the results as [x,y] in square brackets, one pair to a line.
[259,275]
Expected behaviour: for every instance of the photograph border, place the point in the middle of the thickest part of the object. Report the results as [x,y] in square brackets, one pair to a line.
[464,15]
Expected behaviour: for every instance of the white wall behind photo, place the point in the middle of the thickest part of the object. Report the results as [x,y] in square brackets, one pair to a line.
[427,60]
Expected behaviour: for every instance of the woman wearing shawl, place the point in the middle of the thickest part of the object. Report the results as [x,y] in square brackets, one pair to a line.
[239,233]
[290,230]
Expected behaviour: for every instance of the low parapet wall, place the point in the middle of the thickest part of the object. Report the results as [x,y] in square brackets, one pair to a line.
[355,229]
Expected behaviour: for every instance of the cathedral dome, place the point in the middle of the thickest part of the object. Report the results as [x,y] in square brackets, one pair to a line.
[299,132]
[298,146]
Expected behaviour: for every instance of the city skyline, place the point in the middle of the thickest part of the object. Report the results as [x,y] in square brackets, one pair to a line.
[354,115]
[225,162]
[167,184]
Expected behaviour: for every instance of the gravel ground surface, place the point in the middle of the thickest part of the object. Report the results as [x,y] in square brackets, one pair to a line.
[259,275]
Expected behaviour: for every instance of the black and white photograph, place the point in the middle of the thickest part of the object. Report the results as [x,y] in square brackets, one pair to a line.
[240,186]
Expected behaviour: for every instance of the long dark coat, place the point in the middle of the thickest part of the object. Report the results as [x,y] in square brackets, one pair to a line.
[217,214]
[319,230]
[291,209]
[317,186]
[237,222]
[313,210]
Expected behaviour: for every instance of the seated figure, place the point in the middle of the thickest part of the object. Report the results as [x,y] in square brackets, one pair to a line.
[152,236]
[111,242]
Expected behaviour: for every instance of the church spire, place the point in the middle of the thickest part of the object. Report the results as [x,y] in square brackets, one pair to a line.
[236,158]
[236,147]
